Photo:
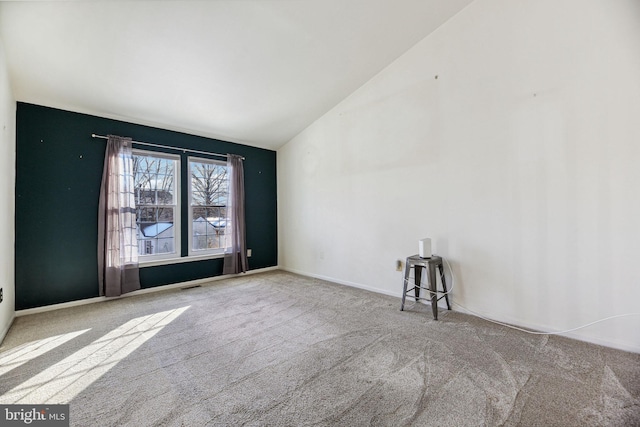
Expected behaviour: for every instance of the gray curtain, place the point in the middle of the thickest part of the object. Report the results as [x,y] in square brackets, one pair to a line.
[235,257]
[117,242]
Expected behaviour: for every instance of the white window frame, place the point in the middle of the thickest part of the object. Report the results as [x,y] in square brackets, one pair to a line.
[208,253]
[157,259]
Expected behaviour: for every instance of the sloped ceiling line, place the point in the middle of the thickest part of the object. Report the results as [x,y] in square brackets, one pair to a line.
[255,72]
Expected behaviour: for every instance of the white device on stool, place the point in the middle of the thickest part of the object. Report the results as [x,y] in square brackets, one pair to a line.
[424,248]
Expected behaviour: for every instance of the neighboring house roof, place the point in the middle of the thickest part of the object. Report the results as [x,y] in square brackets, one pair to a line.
[211,225]
[154,229]
[217,222]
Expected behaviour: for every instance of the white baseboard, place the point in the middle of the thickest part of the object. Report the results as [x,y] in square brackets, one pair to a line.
[187,284]
[343,282]
[4,332]
[606,343]
[531,326]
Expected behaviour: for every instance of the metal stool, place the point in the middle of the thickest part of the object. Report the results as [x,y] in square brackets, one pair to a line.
[418,264]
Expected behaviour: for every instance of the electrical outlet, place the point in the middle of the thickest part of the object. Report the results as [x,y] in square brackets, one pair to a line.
[399,265]
[1,295]
[248,253]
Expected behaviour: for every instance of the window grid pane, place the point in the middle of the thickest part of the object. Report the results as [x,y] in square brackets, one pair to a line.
[208,199]
[154,193]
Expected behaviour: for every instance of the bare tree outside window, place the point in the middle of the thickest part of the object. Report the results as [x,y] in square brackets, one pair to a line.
[154,185]
[153,179]
[157,206]
[209,188]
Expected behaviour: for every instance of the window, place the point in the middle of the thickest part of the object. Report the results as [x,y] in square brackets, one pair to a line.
[159,203]
[208,223]
[156,185]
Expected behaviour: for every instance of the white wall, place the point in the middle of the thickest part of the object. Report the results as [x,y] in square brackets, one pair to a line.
[7,196]
[521,160]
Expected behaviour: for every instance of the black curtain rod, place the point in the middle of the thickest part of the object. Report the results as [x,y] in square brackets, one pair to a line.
[184,150]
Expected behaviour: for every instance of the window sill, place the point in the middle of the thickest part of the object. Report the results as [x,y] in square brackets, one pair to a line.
[167,261]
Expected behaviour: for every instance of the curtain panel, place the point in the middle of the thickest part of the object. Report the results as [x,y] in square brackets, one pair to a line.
[118,271]
[235,258]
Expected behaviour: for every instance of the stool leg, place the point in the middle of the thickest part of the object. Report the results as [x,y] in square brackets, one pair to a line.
[417,271]
[444,286]
[407,273]
[432,288]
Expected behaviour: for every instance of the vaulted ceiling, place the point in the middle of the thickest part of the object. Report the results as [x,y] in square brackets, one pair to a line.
[250,71]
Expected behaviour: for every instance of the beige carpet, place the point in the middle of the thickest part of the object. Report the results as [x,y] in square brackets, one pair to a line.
[277,349]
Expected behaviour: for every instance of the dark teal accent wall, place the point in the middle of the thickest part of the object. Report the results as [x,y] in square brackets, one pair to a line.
[58,173]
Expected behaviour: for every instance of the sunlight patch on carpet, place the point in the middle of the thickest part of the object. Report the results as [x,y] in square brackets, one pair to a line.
[28,351]
[63,381]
